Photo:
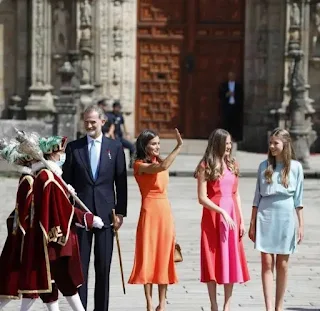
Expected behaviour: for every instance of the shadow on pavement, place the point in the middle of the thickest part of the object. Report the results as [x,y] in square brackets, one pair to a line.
[302,309]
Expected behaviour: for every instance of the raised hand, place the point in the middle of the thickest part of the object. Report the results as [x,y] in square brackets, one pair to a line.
[178,137]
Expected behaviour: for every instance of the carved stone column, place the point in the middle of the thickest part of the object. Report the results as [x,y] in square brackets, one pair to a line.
[299,8]
[263,71]
[86,16]
[66,118]
[116,26]
[40,103]
[299,108]
[86,52]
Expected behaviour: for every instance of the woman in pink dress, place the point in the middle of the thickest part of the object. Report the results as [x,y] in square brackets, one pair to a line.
[223,259]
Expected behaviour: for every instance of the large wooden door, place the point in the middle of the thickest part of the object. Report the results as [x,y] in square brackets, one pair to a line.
[185,49]
[161,36]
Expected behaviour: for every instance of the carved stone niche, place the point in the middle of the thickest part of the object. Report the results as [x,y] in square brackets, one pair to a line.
[85,24]
[62,37]
[86,65]
[315,32]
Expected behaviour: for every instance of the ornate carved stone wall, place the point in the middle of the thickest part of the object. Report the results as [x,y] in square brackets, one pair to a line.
[62,37]
[264,53]
[40,104]
[115,47]
[12,55]
[314,65]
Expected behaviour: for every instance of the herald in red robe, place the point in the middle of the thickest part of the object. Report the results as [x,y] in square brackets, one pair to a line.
[54,237]
[18,226]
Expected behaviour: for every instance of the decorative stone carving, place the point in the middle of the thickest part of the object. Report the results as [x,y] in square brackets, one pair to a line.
[102,73]
[87,17]
[116,64]
[66,119]
[295,18]
[315,31]
[85,14]
[61,21]
[85,34]
[38,36]
[40,104]
[86,68]
[85,8]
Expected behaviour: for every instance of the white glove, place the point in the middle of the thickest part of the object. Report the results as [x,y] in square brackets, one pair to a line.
[97,222]
[71,189]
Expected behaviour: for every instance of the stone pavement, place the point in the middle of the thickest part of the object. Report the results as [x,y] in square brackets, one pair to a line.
[190,295]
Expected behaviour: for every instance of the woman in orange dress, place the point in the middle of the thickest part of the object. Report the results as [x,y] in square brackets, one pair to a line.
[155,239]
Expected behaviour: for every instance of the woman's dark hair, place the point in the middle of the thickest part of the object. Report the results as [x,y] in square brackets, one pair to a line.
[141,145]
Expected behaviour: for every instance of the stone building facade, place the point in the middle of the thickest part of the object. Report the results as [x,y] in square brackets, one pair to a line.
[162,59]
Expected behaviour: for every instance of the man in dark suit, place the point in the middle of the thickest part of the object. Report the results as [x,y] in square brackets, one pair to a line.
[94,166]
[231,100]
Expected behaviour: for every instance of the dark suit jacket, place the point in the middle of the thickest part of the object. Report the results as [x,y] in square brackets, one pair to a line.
[238,94]
[109,190]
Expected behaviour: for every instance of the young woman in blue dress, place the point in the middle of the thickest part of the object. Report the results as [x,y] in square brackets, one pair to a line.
[277,199]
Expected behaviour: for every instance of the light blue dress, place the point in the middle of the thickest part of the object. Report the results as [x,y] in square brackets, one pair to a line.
[275,226]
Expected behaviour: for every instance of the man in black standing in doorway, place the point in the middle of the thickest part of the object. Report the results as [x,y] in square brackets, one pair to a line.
[231,100]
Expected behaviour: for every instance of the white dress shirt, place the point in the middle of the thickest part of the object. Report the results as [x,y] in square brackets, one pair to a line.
[231,85]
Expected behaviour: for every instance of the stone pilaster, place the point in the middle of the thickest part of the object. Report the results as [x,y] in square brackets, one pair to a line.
[264,49]
[66,117]
[304,15]
[300,108]
[17,101]
[86,17]
[22,51]
[41,104]
[102,45]
[116,25]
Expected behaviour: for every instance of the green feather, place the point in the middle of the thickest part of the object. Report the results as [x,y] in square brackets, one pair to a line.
[11,154]
[49,144]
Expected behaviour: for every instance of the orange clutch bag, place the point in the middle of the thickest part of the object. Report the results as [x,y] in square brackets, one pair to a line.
[177,253]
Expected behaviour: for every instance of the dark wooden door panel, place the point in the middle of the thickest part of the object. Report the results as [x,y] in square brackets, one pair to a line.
[225,11]
[213,60]
[159,76]
[217,41]
[161,33]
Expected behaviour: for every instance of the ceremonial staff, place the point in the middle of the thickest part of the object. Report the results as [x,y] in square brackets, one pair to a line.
[29,144]
[119,250]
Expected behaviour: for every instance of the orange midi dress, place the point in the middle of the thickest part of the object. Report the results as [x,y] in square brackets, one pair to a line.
[155,238]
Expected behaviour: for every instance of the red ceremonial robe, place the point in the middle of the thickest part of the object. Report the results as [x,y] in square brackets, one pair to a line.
[54,238]
[19,226]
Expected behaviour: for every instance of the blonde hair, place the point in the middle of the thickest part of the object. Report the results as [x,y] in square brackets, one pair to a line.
[212,160]
[287,155]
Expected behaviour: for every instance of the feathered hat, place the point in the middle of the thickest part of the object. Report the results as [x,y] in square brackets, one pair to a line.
[9,152]
[52,144]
